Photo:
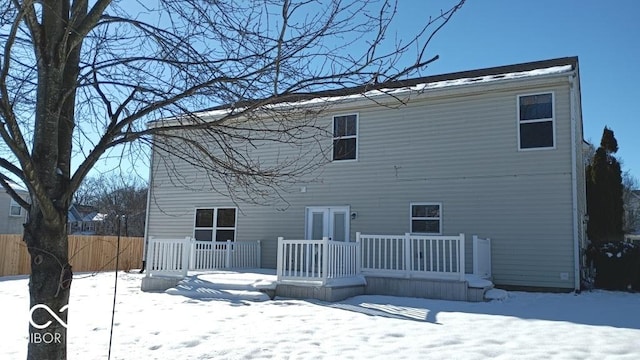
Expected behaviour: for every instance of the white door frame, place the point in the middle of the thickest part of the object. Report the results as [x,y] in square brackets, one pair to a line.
[328,225]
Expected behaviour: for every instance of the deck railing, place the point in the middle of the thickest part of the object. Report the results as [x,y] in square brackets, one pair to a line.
[210,255]
[246,254]
[319,261]
[175,257]
[168,257]
[413,255]
[316,261]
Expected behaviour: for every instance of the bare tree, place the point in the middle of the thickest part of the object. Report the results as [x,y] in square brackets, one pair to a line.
[89,191]
[79,80]
[114,195]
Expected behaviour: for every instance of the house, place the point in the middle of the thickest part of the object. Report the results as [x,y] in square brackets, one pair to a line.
[12,215]
[495,152]
[632,213]
[83,220]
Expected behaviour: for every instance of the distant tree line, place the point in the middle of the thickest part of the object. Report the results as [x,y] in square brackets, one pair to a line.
[115,197]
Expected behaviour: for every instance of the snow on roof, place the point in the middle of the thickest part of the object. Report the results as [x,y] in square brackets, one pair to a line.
[99,217]
[395,91]
[447,84]
[397,87]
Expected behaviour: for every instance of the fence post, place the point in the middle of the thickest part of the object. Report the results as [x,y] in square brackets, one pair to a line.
[325,259]
[259,254]
[150,251]
[490,272]
[186,254]
[407,253]
[475,254]
[280,258]
[228,255]
[192,253]
[461,260]
[358,254]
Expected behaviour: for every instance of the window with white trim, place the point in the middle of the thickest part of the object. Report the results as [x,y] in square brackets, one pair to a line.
[215,224]
[536,128]
[345,137]
[426,218]
[15,209]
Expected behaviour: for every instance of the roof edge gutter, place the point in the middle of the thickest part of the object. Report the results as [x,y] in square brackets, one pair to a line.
[574,182]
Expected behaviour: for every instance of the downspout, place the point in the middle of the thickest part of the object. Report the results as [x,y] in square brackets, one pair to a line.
[574,183]
[146,216]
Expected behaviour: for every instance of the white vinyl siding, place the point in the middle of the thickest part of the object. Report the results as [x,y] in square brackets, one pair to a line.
[536,125]
[11,223]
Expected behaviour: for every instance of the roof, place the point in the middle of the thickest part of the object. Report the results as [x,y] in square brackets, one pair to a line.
[535,68]
[485,75]
[79,212]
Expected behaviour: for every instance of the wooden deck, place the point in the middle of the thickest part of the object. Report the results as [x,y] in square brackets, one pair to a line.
[455,290]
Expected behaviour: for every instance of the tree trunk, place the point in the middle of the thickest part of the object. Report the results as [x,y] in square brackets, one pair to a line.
[49,285]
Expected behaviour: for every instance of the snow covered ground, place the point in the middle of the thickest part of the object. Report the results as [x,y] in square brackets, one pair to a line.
[199,322]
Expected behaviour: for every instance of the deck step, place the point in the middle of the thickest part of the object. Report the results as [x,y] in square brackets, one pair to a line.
[218,294]
[477,282]
[225,286]
[477,287]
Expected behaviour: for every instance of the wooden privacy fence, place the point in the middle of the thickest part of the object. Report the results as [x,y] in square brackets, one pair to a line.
[86,253]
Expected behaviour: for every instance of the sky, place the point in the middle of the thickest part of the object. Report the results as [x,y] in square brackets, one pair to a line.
[205,318]
[603,34]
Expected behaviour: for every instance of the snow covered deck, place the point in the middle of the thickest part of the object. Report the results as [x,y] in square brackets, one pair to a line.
[399,265]
[424,266]
[262,285]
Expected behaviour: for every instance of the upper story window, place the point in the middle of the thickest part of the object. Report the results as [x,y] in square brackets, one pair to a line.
[215,224]
[426,218]
[345,137]
[536,121]
[15,209]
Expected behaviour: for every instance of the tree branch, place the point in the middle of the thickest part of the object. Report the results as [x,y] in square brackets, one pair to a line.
[88,21]
[14,195]
[7,165]
[31,21]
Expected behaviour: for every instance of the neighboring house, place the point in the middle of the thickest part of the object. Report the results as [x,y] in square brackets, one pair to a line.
[83,220]
[632,213]
[12,215]
[495,152]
